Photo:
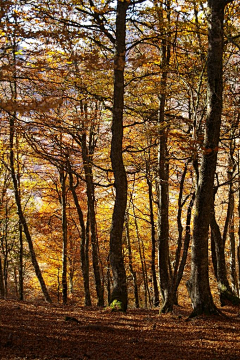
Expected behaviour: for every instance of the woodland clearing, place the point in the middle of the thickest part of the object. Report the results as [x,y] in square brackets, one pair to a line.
[31,330]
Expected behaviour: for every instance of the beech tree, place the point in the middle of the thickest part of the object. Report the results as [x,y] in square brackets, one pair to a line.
[119,291]
[198,285]
[144,72]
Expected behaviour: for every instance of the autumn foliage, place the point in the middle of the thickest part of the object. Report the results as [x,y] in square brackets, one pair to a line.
[59,181]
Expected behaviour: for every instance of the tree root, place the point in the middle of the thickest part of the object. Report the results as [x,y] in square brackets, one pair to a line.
[227,296]
[204,310]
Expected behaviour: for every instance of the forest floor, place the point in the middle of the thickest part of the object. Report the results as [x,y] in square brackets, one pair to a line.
[48,332]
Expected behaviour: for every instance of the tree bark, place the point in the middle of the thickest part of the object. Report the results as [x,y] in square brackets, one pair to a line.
[2,292]
[21,215]
[64,237]
[231,227]
[91,205]
[132,271]
[198,285]
[163,164]
[119,291]
[16,184]
[142,259]
[84,243]
[225,291]
[153,238]
[238,247]
[20,267]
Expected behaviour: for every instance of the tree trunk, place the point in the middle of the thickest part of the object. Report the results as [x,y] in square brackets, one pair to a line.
[231,232]
[20,229]
[181,261]
[163,165]
[84,243]
[238,247]
[20,267]
[132,271]
[91,205]
[143,260]
[225,291]
[64,237]
[2,292]
[153,238]
[22,220]
[198,285]
[163,221]
[185,244]
[21,215]
[119,291]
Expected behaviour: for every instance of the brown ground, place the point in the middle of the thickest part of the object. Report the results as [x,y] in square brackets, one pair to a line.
[40,331]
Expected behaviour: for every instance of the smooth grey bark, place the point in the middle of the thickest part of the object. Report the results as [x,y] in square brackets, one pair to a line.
[119,291]
[198,285]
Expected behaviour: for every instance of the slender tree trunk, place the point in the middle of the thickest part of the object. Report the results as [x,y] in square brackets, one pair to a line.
[20,267]
[108,281]
[153,238]
[186,243]
[198,285]
[141,251]
[64,237]
[213,253]
[84,243]
[238,248]
[163,221]
[231,230]
[182,243]
[221,272]
[5,272]
[91,204]
[20,229]
[119,291]
[227,294]
[2,292]
[21,215]
[132,271]
[233,274]
[22,219]
[163,165]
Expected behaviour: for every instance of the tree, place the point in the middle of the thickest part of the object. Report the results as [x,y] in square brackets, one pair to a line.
[198,285]
[119,291]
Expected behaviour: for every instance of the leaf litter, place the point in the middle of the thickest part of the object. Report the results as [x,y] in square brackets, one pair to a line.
[39,331]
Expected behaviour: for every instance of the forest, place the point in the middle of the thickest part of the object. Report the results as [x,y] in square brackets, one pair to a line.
[119,156]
